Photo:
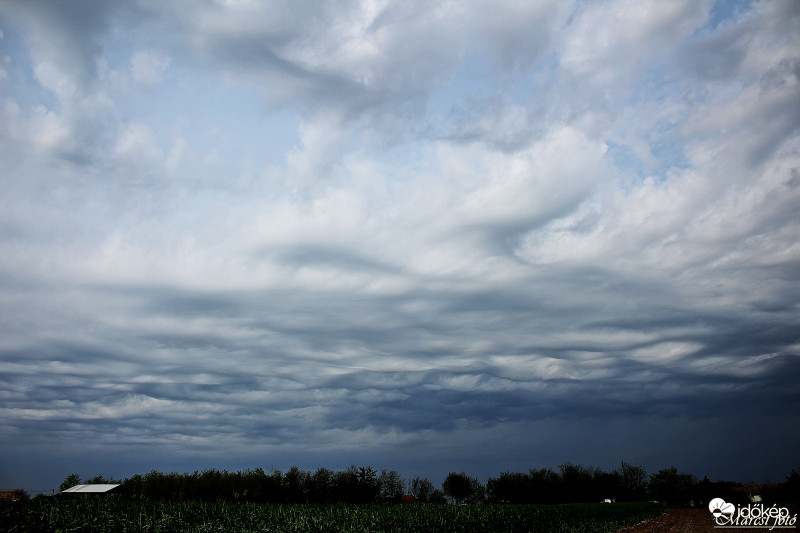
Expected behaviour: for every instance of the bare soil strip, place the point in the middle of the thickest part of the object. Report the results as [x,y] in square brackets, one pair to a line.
[683,521]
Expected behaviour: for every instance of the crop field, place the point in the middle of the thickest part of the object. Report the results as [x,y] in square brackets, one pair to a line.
[107,515]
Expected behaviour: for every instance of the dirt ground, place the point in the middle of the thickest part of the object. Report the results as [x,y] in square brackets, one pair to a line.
[683,521]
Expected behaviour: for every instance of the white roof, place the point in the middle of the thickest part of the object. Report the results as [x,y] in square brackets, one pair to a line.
[92,488]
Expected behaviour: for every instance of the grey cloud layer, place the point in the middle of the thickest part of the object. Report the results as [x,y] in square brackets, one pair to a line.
[497,223]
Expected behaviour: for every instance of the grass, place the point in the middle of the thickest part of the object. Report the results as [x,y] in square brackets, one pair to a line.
[107,515]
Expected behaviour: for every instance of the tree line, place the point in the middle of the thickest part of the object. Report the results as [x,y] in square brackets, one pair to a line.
[569,483]
[362,484]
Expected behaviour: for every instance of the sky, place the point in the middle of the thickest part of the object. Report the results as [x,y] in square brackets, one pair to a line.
[427,236]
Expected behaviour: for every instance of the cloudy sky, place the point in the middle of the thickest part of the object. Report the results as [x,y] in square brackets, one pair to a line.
[419,235]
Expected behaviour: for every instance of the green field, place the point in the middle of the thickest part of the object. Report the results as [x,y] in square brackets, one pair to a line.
[109,515]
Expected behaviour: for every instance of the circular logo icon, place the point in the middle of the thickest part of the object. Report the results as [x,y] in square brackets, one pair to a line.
[719,507]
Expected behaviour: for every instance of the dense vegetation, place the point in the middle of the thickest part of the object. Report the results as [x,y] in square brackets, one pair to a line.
[570,483]
[353,485]
[363,499]
[106,515]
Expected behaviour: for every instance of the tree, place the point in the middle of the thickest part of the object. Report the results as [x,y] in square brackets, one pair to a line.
[99,479]
[791,488]
[437,496]
[132,486]
[69,481]
[421,488]
[669,486]
[784,494]
[357,485]
[456,486]
[510,487]
[633,482]
[295,485]
[462,488]
[477,492]
[321,486]
[368,488]
[579,483]
[391,486]
[545,485]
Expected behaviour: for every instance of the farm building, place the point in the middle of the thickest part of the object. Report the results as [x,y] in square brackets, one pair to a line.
[99,488]
[12,495]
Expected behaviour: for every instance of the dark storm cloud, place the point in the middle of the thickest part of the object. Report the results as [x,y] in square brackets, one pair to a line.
[423,400]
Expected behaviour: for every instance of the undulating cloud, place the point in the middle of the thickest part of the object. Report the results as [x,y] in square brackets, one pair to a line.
[422,235]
